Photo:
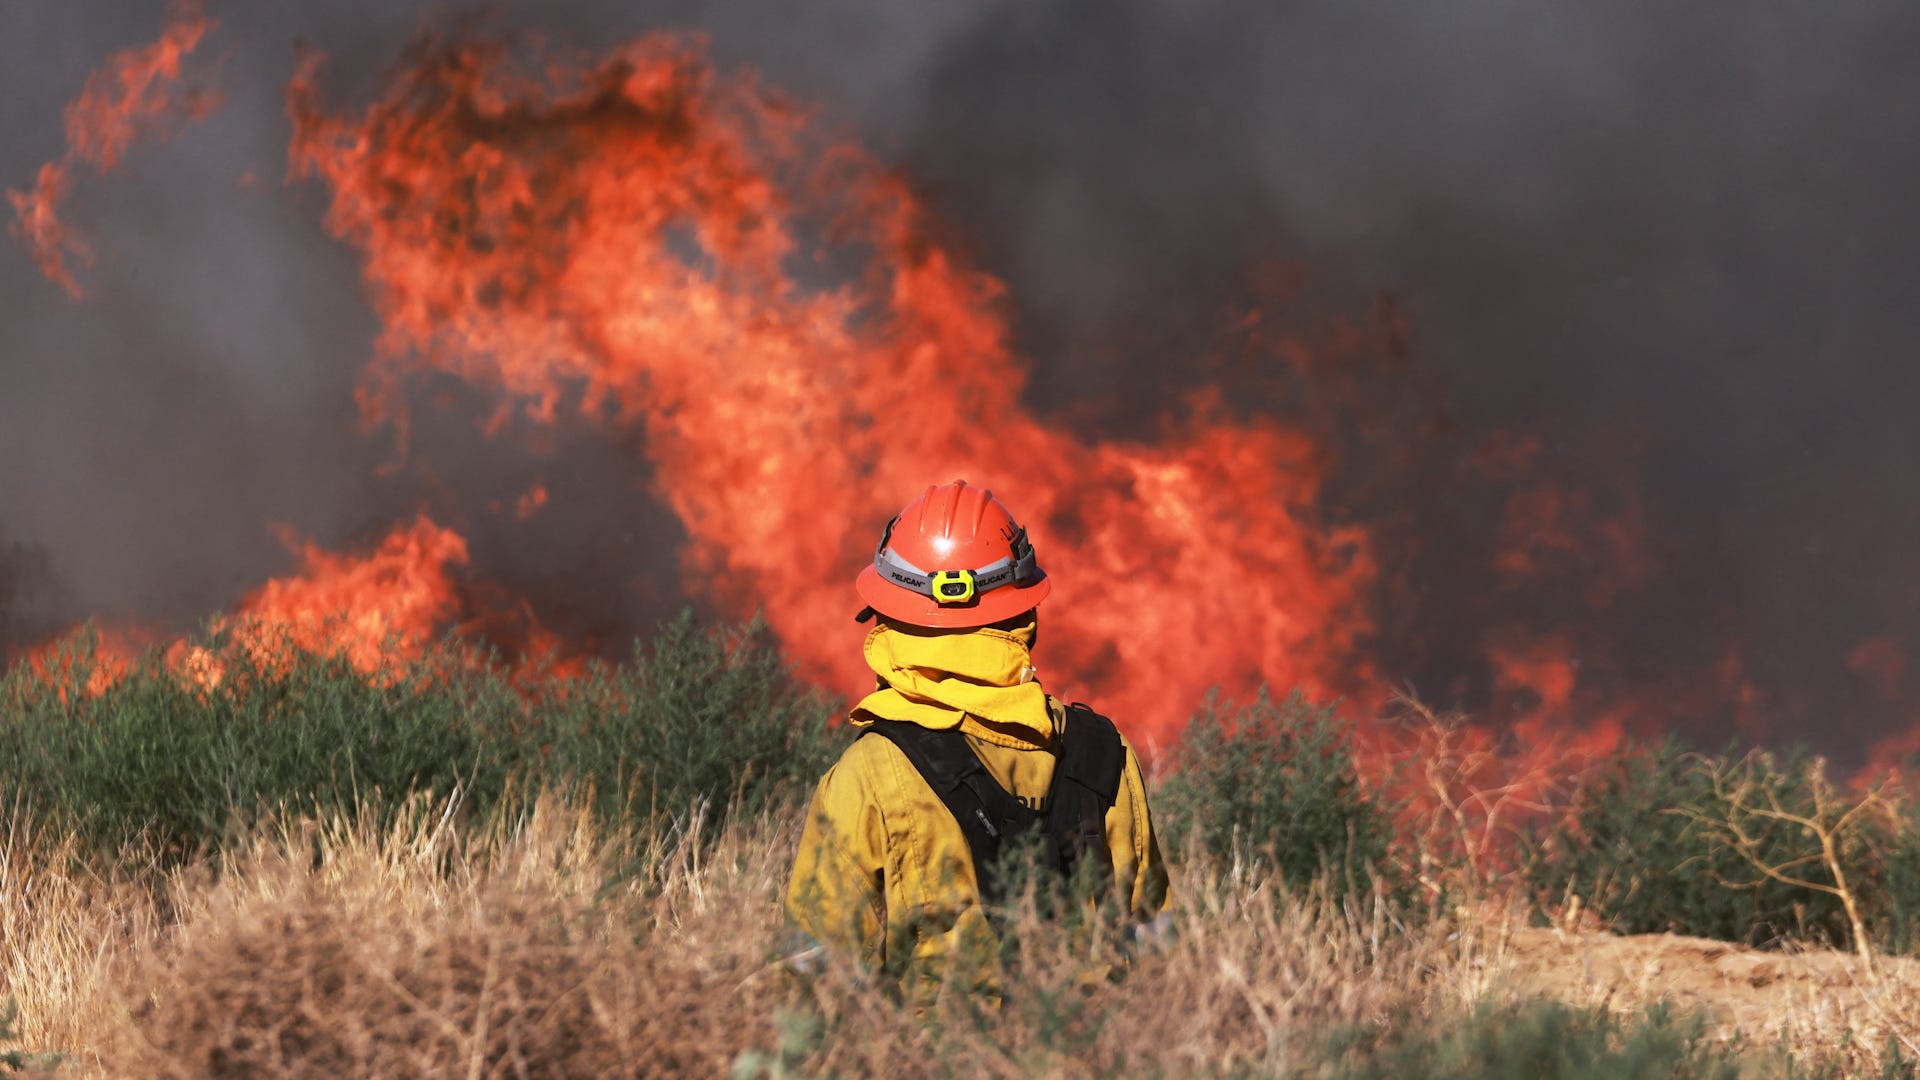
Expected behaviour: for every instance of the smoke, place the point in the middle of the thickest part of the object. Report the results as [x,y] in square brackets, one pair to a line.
[28,595]
[1666,249]
[1667,241]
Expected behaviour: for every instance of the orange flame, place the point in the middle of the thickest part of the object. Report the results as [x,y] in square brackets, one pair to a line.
[106,650]
[379,609]
[51,241]
[137,92]
[389,606]
[374,609]
[1893,758]
[530,502]
[641,231]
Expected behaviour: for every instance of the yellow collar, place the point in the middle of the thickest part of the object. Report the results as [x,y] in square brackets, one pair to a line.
[946,679]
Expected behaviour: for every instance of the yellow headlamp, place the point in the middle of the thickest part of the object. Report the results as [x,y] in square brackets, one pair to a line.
[952,586]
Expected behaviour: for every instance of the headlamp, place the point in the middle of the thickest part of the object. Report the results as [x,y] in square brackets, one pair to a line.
[960,586]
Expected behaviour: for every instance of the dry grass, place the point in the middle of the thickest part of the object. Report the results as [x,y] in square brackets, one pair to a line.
[330,949]
[62,924]
[435,948]
[1788,997]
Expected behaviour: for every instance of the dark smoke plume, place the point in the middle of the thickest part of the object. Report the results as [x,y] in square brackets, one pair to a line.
[1668,241]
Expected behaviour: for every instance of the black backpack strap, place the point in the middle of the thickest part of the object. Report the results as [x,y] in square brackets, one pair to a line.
[986,812]
[1085,784]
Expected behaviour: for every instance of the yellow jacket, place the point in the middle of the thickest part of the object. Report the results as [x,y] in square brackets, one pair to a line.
[883,870]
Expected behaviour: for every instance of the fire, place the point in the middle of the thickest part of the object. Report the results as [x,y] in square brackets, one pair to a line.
[1892,758]
[681,257]
[1880,663]
[378,609]
[106,650]
[645,234]
[387,605]
[137,92]
[37,222]
[530,502]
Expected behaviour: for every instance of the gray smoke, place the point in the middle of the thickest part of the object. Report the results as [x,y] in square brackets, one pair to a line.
[1673,241]
[29,596]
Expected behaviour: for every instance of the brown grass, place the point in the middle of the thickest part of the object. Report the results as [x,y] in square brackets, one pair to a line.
[1793,997]
[336,949]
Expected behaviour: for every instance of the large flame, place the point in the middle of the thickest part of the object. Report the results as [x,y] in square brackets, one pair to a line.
[803,356]
[138,92]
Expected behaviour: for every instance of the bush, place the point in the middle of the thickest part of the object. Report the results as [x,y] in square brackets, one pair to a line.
[1898,886]
[1661,839]
[1274,783]
[155,757]
[694,717]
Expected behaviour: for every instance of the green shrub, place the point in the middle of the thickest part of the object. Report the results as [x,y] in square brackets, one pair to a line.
[693,717]
[1661,839]
[1273,782]
[1897,889]
[156,758]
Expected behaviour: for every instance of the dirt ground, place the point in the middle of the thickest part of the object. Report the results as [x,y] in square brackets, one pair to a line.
[1801,998]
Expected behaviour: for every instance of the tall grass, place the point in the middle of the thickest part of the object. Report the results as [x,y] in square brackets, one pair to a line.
[432,945]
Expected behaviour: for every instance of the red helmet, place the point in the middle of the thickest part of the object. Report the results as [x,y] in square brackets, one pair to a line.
[955,559]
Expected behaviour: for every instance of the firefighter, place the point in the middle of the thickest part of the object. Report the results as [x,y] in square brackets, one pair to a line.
[960,753]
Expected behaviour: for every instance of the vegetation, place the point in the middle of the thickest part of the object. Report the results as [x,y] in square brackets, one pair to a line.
[1274,783]
[1751,848]
[166,760]
[1544,1039]
[287,867]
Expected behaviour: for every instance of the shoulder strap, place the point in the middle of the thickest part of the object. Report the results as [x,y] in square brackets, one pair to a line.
[1093,756]
[1086,781]
[1085,785]
[986,812]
